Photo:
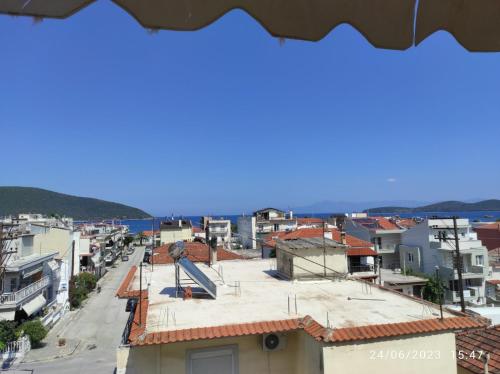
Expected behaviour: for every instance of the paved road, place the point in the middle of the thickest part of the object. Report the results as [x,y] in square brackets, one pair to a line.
[100,322]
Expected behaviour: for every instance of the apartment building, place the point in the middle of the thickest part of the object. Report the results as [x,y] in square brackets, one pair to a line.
[218,229]
[382,232]
[430,245]
[256,321]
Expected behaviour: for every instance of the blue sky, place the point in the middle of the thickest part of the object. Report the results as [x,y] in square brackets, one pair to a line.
[226,120]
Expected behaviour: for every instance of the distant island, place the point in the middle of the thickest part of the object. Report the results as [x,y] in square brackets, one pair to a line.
[15,200]
[445,206]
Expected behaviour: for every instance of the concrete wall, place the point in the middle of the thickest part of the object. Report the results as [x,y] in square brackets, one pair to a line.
[247,231]
[172,236]
[419,354]
[300,356]
[53,239]
[336,260]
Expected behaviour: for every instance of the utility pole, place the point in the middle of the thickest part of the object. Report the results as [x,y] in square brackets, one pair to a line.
[324,251]
[438,278]
[153,243]
[458,264]
[140,294]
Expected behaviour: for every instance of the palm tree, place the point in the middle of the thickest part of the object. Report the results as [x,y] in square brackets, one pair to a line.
[141,236]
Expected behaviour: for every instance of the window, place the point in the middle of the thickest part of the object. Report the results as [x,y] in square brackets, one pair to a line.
[276,227]
[13,284]
[480,260]
[220,360]
[410,257]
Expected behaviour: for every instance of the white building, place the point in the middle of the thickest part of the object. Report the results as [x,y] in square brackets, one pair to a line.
[220,229]
[382,232]
[247,231]
[431,244]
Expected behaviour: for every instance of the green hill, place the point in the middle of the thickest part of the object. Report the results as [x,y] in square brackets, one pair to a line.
[15,200]
[445,206]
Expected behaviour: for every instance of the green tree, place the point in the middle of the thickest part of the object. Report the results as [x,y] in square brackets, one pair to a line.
[35,330]
[86,280]
[128,239]
[141,236]
[432,290]
[7,332]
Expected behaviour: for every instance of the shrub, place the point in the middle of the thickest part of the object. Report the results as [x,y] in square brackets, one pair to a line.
[35,330]
[7,332]
[86,280]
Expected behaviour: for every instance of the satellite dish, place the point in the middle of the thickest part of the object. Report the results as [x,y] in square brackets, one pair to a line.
[176,250]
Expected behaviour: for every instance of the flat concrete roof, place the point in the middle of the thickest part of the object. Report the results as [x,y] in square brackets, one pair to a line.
[389,276]
[264,297]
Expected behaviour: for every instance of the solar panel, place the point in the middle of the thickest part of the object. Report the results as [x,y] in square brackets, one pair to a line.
[197,275]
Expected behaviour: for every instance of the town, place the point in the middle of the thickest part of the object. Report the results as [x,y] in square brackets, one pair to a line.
[271,292]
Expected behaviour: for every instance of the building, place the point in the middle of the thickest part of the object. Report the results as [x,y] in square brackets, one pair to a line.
[361,257]
[271,220]
[309,222]
[247,231]
[408,284]
[259,322]
[478,351]
[218,229]
[493,291]
[489,235]
[382,232]
[176,230]
[39,256]
[429,246]
[311,258]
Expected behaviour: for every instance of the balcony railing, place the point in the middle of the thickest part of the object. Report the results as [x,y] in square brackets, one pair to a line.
[24,293]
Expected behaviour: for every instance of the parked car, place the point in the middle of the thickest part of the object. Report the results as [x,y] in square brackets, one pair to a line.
[146,257]
[125,258]
[131,303]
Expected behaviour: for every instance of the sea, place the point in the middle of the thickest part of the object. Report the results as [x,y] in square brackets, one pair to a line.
[138,225]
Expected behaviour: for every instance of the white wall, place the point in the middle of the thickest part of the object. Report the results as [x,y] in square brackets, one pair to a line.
[247,231]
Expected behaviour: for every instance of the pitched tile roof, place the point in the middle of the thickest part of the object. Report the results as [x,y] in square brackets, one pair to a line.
[309,325]
[486,340]
[406,223]
[123,290]
[351,241]
[138,329]
[401,328]
[377,223]
[359,247]
[493,281]
[195,251]
[309,220]
[490,226]
[361,252]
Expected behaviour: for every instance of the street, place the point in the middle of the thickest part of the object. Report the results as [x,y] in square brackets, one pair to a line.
[95,330]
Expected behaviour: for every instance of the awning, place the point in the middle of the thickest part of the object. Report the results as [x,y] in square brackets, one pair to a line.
[361,252]
[34,305]
[7,315]
[384,23]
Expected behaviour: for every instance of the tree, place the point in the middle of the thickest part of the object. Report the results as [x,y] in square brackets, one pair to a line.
[86,280]
[141,236]
[7,332]
[432,290]
[35,330]
[128,239]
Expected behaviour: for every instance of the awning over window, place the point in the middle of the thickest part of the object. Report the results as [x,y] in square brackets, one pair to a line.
[7,315]
[34,305]
[384,23]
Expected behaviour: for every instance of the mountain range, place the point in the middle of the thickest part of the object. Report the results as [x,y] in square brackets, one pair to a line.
[15,200]
[445,206]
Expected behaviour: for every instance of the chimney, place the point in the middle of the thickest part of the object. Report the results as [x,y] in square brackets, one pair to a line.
[213,251]
[290,213]
[180,223]
[343,239]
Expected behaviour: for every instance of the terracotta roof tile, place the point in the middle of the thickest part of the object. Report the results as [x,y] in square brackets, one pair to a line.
[403,328]
[309,220]
[493,281]
[485,340]
[361,252]
[123,290]
[195,251]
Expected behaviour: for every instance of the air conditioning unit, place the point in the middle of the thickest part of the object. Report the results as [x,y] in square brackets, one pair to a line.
[273,342]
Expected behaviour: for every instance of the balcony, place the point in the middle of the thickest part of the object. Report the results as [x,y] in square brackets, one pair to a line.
[386,248]
[13,298]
